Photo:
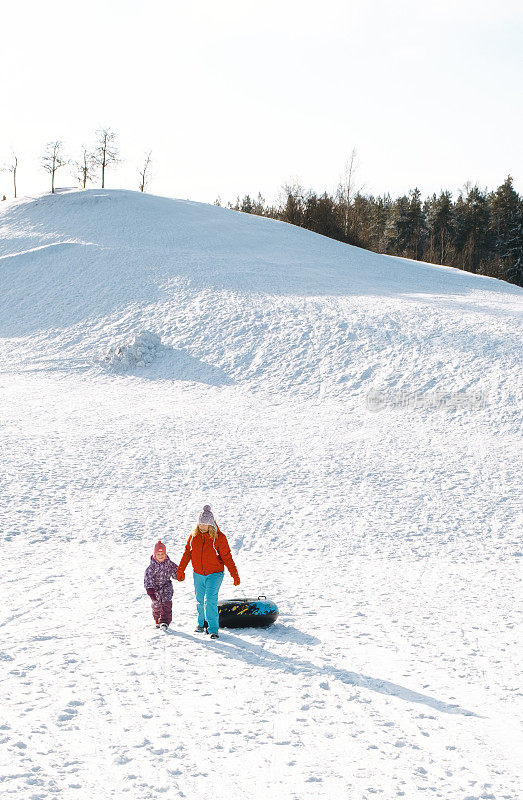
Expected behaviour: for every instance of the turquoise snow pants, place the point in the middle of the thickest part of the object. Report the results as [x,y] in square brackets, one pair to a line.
[206,588]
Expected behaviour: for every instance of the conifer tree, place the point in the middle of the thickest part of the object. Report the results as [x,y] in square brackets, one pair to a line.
[380,222]
[476,230]
[506,223]
[247,205]
[320,215]
[293,206]
[439,214]
[418,225]
[400,232]
[258,206]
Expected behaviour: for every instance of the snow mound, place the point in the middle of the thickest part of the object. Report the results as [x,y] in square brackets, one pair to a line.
[139,351]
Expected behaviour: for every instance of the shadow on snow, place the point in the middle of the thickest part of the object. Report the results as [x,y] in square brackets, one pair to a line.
[257,655]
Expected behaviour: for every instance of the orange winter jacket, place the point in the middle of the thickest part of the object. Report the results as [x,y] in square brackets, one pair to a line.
[208,555]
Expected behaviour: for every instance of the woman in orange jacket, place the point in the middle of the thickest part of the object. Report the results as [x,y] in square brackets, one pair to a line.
[208,550]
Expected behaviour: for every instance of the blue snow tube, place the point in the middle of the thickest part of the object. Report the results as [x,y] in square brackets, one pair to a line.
[246,612]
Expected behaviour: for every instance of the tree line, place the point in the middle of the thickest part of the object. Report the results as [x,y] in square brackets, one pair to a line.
[91,163]
[479,231]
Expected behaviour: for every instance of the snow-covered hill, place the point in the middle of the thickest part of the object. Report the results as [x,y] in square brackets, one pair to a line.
[355,422]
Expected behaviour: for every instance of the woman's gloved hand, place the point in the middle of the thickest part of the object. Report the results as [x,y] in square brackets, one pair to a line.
[180,576]
[237,581]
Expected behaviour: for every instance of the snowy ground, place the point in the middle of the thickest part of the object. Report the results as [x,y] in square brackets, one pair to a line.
[387,526]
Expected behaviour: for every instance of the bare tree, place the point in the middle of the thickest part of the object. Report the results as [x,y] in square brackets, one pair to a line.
[346,191]
[144,176]
[12,167]
[106,152]
[53,159]
[84,168]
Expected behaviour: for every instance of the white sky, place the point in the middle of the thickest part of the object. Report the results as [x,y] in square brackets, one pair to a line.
[238,96]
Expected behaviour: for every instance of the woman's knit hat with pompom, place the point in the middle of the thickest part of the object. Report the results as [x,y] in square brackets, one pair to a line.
[207,517]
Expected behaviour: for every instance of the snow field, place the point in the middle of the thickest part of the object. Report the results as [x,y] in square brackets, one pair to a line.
[390,538]
[389,670]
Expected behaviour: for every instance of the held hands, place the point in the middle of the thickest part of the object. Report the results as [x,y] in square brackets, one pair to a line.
[180,576]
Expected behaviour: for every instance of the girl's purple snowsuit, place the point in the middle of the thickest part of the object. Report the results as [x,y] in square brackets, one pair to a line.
[157,577]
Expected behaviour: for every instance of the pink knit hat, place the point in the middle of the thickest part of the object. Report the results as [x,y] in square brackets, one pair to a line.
[159,547]
[207,517]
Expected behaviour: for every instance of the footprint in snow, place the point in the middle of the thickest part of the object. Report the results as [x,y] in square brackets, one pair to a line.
[70,711]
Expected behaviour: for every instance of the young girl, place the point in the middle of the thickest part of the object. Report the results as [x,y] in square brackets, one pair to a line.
[159,587]
[208,550]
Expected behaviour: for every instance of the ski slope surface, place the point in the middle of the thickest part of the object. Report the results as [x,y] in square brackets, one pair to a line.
[353,419]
